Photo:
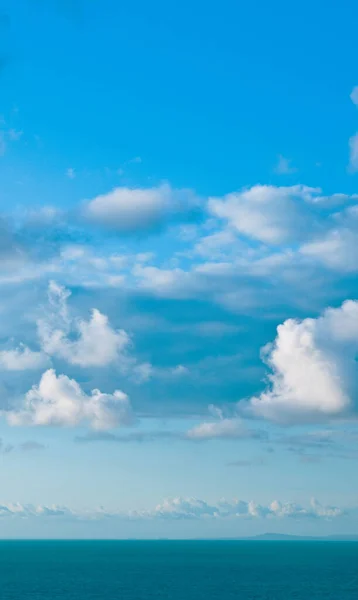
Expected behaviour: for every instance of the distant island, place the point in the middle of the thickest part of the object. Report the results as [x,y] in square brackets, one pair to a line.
[273,537]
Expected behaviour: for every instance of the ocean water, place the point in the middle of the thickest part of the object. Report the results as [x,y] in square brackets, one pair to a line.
[200,570]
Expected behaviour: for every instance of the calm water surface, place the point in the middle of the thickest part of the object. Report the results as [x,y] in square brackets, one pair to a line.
[197,570]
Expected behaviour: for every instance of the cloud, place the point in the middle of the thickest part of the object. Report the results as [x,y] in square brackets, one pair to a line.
[168,283]
[223,428]
[215,244]
[97,344]
[193,508]
[354,95]
[137,209]
[273,215]
[314,369]
[29,510]
[21,359]
[353,153]
[176,509]
[60,401]
[71,173]
[284,167]
[336,250]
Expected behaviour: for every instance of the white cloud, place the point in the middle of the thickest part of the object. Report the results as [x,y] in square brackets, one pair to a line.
[223,428]
[353,153]
[334,200]
[193,508]
[130,209]
[96,343]
[179,509]
[170,283]
[29,510]
[21,359]
[272,215]
[213,245]
[183,508]
[314,371]
[60,401]
[284,166]
[71,173]
[337,250]
[142,371]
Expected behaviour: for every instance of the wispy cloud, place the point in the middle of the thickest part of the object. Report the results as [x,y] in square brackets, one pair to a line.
[284,166]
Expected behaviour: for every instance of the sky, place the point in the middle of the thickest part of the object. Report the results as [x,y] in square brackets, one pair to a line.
[178,268]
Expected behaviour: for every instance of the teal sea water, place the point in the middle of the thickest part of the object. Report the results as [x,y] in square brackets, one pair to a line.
[178,570]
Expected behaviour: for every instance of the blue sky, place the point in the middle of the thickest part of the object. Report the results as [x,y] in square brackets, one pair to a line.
[178,268]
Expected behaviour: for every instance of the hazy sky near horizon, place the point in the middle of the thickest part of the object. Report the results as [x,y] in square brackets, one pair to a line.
[178,268]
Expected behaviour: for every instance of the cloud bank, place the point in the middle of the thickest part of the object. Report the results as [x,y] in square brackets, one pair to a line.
[181,509]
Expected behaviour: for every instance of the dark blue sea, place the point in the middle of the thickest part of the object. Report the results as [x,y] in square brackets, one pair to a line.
[194,570]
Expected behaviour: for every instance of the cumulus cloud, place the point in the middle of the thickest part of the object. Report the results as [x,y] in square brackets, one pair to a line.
[96,342]
[179,509]
[270,214]
[21,359]
[193,508]
[60,401]
[314,369]
[134,209]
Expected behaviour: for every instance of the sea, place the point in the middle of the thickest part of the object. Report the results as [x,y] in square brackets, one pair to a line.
[178,570]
